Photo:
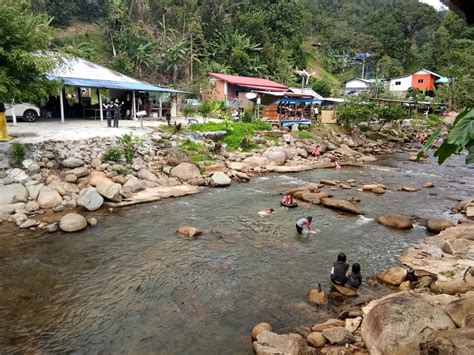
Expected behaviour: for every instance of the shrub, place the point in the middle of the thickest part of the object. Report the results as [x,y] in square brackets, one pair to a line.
[129,144]
[187,111]
[18,152]
[113,154]
[303,135]
[119,169]
[197,152]
[247,115]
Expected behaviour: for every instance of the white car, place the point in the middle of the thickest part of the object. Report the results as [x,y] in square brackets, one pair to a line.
[25,111]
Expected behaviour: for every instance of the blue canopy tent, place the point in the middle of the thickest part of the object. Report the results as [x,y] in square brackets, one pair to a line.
[81,73]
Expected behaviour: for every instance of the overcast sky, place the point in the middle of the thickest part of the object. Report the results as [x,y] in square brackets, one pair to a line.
[435,3]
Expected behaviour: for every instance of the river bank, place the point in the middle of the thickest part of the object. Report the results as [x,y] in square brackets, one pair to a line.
[74,177]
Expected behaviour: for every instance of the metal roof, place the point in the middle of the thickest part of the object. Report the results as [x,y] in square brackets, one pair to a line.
[254,83]
[306,91]
[79,72]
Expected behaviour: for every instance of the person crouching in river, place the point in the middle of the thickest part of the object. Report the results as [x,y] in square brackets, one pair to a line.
[339,270]
[302,223]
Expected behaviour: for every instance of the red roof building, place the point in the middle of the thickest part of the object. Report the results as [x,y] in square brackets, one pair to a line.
[232,88]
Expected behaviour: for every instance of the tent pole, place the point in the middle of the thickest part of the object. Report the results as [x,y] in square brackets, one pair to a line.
[61,103]
[161,105]
[101,108]
[13,113]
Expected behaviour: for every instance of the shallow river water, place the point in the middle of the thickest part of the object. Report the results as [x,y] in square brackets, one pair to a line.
[131,285]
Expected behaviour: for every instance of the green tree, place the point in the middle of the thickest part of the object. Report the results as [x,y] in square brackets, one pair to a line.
[322,87]
[23,37]
[389,67]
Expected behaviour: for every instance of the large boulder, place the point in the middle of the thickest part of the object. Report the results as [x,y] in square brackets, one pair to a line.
[147,175]
[395,221]
[49,198]
[436,225]
[458,310]
[73,163]
[255,162]
[90,199]
[338,336]
[189,232]
[96,177]
[185,171]
[341,205]
[276,155]
[110,190]
[134,185]
[220,179]
[18,175]
[398,323]
[34,189]
[260,328]
[72,222]
[13,193]
[269,343]
[458,341]
[393,276]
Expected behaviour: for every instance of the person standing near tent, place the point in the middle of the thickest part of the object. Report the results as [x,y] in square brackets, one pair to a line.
[117,112]
[108,106]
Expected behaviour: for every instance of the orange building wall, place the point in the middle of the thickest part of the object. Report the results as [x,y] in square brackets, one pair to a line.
[427,84]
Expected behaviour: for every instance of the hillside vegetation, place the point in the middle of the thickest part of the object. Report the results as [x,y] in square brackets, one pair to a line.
[173,42]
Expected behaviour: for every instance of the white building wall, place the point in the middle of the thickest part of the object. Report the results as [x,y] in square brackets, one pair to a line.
[403,83]
[356,84]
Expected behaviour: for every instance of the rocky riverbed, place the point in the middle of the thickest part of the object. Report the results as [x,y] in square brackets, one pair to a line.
[69,178]
[74,180]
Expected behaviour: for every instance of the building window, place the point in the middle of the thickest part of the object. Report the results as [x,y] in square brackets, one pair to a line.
[420,81]
[398,83]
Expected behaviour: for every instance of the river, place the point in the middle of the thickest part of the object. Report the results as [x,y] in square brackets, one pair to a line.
[131,285]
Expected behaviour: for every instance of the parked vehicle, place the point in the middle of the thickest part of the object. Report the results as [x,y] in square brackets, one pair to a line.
[192,102]
[26,112]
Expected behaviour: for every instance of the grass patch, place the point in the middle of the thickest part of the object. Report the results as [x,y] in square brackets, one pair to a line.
[236,132]
[303,135]
[197,152]
[448,273]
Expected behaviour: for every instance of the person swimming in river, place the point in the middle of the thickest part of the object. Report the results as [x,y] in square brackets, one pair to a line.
[303,223]
[335,162]
[287,199]
[339,270]
[265,212]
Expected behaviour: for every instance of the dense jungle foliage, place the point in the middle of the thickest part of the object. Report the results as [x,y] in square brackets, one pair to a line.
[174,42]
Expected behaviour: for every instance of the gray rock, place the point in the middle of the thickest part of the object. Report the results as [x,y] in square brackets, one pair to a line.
[110,190]
[134,185]
[29,223]
[73,163]
[338,336]
[49,198]
[51,228]
[13,193]
[72,222]
[18,175]
[80,172]
[255,162]
[32,206]
[147,175]
[185,171]
[398,323]
[9,209]
[90,199]
[269,343]
[276,155]
[219,179]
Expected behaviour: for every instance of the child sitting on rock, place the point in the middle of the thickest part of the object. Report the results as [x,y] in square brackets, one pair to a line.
[355,278]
